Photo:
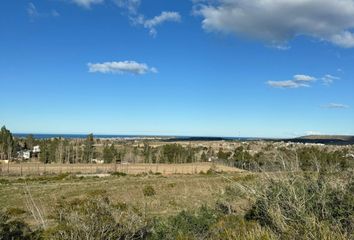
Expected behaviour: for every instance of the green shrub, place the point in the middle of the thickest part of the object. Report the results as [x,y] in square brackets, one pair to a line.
[149,191]
[186,225]
[4,181]
[235,227]
[11,229]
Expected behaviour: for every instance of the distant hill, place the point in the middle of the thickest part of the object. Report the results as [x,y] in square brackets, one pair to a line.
[333,137]
[325,139]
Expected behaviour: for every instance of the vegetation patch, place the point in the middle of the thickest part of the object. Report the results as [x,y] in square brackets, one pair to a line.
[149,191]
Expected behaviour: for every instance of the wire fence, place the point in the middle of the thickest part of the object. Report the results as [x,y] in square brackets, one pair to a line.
[21,169]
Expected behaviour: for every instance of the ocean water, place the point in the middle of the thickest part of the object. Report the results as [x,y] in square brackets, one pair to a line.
[72,136]
[76,136]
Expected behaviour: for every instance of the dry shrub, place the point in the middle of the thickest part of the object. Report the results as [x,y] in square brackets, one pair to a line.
[97,218]
[300,207]
[232,227]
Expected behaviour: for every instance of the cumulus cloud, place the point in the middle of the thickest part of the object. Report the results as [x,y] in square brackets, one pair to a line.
[87,3]
[299,80]
[335,106]
[276,22]
[121,67]
[329,79]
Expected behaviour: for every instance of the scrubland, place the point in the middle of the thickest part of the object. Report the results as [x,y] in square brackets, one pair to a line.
[207,205]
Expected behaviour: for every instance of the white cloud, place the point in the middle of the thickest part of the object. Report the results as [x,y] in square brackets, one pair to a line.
[132,7]
[299,80]
[303,78]
[87,3]
[158,20]
[329,79]
[278,21]
[285,84]
[344,39]
[336,106]
[121,67]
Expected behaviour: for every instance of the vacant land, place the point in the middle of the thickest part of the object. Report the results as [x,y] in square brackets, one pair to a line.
[173,193]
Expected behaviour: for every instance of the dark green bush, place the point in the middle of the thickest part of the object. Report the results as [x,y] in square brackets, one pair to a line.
[149,191]
[12,229]
[4,181]
[186,225]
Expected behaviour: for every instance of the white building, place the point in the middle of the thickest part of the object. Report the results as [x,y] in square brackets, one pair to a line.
[26,154]
[36,149]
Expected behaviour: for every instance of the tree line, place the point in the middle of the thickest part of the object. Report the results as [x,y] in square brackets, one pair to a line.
[88,150]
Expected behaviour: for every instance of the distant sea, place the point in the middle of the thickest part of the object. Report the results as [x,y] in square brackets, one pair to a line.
[76,136]
[71,136]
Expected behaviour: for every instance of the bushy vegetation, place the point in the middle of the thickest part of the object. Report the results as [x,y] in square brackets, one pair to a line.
[306,205]
[300,207]
[284,159]
[96,218]
[14,229]
[149,191]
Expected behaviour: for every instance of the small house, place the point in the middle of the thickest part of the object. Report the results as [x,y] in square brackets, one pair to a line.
[36,149]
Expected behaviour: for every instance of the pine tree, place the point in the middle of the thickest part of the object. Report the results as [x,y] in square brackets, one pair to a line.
[89,148]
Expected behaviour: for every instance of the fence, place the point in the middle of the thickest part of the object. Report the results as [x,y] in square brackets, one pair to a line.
[20,169]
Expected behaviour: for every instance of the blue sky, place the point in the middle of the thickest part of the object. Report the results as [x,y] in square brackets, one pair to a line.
[177,67]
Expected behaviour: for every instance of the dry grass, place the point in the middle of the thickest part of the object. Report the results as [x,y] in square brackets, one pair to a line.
[173,193]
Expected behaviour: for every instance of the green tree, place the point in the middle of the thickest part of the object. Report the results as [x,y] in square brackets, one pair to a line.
[29,142]
[7,144]
[109,153]
[89,148]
